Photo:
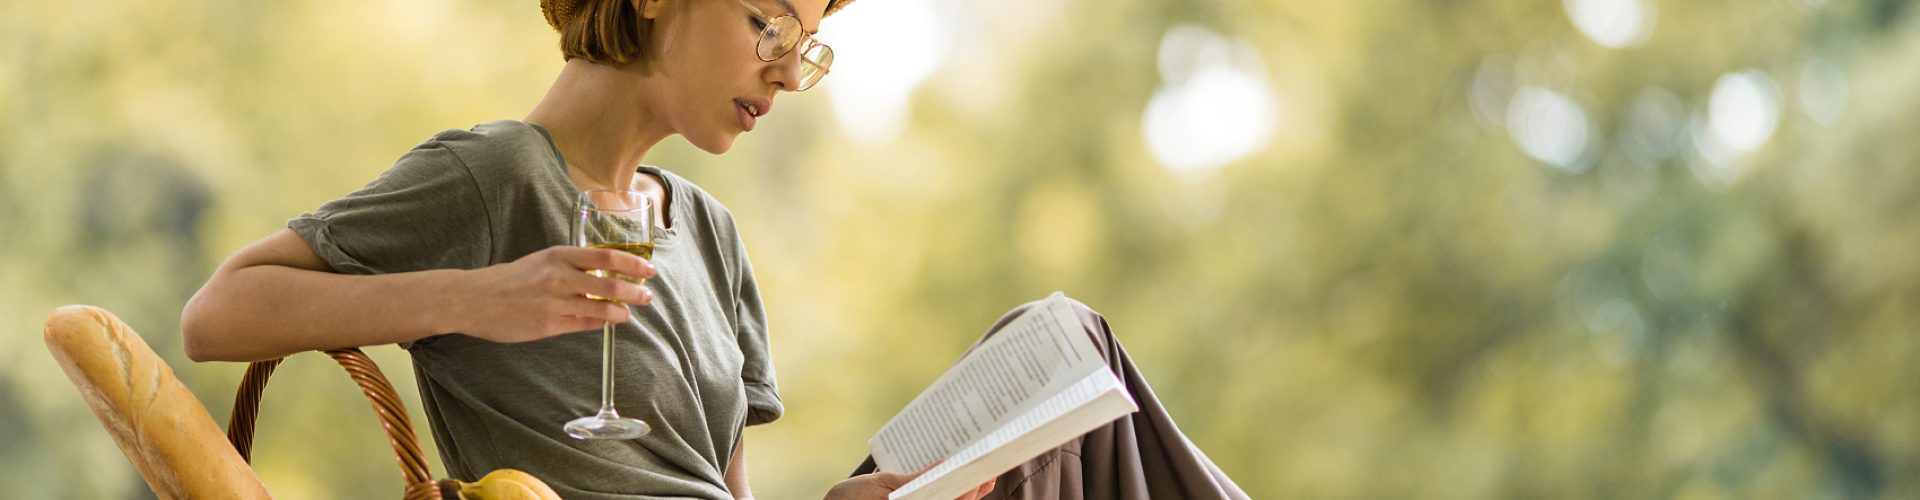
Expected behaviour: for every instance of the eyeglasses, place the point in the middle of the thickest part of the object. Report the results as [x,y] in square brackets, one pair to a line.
[781,34]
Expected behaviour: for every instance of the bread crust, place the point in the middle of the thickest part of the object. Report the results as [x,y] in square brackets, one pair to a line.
[159,424]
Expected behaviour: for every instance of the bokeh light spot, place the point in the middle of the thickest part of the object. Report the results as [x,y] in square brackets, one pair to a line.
[1612,23]
[1492,88]
[900,43]
[1823,91]
[1549,127]
[1743,110]
[1214,106]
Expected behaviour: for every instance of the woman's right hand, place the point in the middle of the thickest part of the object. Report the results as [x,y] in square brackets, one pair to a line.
[544,294]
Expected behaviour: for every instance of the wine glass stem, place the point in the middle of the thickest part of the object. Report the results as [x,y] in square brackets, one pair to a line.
[606,367]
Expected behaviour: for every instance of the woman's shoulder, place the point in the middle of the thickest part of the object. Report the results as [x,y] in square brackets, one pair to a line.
[490,155]
[503,142]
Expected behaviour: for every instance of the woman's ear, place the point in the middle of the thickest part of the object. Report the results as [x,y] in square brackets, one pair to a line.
[648,9]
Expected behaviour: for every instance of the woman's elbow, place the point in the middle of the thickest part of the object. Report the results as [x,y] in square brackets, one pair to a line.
[198,334]
[208,332]
[220,322]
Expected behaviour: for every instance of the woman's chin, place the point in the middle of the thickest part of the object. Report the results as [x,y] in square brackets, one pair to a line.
[718,143]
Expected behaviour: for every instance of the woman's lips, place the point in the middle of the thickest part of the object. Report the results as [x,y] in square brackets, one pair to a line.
[751,109]
[746,116]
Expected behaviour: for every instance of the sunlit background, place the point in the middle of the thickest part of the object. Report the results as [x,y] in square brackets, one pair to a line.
[1367,249]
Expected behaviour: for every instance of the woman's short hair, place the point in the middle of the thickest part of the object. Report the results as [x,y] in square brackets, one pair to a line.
[607,31]
[600,31]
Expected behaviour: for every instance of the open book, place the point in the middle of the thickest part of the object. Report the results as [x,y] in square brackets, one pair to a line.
[1029,388]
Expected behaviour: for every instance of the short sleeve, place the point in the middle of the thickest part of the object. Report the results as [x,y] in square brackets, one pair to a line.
[426,212]
[750,320]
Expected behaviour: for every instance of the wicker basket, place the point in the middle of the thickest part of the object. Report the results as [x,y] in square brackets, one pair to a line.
[386,403]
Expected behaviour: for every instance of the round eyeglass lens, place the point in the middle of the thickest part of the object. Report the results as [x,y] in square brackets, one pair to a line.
[814,64]
[780,37]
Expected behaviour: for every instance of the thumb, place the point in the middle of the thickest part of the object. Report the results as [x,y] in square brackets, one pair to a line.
[894,480]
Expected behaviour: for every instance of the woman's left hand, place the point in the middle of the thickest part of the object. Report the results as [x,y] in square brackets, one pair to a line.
[877,485]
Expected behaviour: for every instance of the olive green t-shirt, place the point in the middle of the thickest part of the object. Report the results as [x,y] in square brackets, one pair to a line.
[694,364]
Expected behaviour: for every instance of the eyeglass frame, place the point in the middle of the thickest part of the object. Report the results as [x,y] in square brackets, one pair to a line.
[768,22]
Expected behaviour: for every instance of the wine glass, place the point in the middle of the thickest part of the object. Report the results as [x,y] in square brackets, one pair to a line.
[620,220]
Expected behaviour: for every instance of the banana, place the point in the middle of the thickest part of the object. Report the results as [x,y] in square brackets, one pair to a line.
[507,484]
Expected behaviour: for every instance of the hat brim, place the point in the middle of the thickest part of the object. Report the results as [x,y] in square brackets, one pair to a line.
[835,6]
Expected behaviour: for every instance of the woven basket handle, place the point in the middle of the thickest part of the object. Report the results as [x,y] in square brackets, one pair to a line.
[386,403]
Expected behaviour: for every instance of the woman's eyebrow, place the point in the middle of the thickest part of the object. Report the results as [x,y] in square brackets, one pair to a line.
[795,12]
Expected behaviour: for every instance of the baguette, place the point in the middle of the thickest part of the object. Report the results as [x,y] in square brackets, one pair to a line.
[163,429]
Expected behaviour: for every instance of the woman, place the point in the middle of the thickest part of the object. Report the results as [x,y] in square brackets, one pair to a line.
[460,253]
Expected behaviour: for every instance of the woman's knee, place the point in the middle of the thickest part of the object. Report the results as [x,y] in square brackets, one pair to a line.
[1095,323]
[1091,321]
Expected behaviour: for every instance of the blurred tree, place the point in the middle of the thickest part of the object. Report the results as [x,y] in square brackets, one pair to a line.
[1484,252]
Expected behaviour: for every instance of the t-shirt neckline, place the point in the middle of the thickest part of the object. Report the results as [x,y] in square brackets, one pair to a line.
[662,236]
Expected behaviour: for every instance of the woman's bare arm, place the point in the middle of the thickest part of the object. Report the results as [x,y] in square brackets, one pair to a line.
[277,297]
[736,476]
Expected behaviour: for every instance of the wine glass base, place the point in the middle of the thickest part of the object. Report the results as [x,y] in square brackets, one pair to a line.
[604,427]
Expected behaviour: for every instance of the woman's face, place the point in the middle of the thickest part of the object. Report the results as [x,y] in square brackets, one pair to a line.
[711,84]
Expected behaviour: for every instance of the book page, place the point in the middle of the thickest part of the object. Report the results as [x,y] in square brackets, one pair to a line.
[1032,357]
[1049,410]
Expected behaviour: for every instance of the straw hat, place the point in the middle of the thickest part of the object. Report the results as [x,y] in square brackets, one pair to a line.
[557,10]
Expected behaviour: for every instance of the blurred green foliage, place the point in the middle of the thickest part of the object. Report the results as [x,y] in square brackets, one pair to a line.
[1389,298]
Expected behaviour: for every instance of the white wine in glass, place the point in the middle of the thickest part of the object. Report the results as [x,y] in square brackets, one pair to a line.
[620,220]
